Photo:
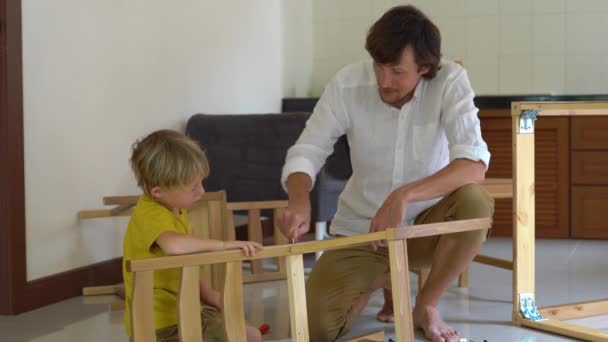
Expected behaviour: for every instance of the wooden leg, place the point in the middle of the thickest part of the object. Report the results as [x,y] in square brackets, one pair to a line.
[232,300]
[142,307]
[189,306]
[297,298]
[400,283]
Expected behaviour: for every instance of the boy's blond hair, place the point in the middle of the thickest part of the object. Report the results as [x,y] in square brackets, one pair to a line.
[168,159]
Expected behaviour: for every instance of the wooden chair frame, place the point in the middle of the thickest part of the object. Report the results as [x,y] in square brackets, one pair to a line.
[142,310]
[524,114]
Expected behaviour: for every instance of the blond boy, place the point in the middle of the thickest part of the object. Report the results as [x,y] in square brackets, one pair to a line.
[169,168]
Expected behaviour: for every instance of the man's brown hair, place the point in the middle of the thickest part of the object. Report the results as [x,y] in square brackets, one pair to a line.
[402,26]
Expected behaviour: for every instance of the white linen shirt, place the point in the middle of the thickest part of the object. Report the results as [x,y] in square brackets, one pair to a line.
[389,147]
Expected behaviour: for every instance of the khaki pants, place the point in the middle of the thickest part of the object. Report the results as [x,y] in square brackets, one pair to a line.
[213,328]
[341,276]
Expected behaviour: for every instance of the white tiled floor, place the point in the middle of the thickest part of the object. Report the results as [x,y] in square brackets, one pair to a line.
[567,271]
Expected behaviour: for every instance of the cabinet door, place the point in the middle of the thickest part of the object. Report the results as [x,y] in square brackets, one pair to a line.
[551,176]
[589,206]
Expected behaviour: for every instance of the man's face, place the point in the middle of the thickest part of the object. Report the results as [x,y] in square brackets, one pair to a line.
[397,81]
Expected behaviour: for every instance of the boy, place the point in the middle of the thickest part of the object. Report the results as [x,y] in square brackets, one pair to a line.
[169,168]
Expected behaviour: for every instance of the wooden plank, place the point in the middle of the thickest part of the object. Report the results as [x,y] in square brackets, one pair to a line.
[524,214]
[439,228]
[254,231]
[400,284]
[232,302]
[102,290]
[576,310]
[230,229]
[189,306]
[496,262]
[120,200]
[563,108]
[142,307]
[305,247]
[568,329]
[97,213]
[257,205]
[498,187]
[216,232]
[377,336]
[198,217]
[123,208]
[297,298]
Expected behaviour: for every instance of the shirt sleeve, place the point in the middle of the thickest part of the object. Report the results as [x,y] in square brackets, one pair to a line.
[153,222]
[327,123]
[459,118]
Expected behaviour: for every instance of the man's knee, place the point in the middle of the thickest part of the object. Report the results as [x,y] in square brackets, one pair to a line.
[323,328]
[472,201]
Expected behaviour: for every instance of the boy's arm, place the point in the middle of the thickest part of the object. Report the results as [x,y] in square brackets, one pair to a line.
[173,243]
[210,296]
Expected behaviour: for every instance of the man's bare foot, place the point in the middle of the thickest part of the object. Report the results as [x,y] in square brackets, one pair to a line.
[435,329]
[386,313]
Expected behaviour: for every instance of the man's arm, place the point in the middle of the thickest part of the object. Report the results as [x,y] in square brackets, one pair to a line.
[294,221]
[458,173]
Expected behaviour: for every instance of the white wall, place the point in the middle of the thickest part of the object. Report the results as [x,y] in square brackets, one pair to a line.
[298,47]
[507,46]
[98,74]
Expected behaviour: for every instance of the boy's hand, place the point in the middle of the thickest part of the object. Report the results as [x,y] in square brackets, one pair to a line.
[248,247]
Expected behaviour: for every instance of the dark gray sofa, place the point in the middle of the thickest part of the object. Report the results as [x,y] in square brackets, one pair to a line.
[246,153]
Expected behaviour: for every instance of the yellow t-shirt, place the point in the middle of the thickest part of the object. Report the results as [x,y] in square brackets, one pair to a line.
[148,221]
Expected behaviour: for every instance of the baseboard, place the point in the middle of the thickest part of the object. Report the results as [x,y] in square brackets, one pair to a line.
[69,284]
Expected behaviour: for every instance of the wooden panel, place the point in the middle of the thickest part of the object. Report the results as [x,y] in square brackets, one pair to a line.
[588,204]
[589,133]
[590,167]
[400,282]
[552,174]
[297,298]
[189,306]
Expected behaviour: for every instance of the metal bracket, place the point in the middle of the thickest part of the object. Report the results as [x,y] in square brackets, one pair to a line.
[528,308]
[526,121]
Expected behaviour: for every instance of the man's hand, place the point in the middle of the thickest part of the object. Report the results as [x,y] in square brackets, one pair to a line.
[294,221]
[390,215]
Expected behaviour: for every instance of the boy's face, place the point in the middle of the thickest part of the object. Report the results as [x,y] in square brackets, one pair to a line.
[180,198]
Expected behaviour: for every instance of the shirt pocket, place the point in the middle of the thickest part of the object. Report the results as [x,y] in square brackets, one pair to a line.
[424,143]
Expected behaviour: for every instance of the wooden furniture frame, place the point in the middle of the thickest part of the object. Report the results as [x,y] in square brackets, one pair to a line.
[142,310]
[211,218]
[523,115]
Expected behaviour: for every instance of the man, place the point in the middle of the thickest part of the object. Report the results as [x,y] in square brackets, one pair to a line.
[417,157]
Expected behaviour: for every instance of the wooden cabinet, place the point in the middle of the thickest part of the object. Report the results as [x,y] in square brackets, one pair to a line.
[589,184]
[552,172]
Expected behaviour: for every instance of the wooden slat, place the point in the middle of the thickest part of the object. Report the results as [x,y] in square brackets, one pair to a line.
[254,230]
[297,298]
[306,247]
[230,233]
[496,262]
[216,232]
[400,283]
[189,306]
[123,208]
[378,336]
[232,300]
[142,307]
[121,200]
[198,217]
[524,215]
[440,228]
[568,329]
[97,213]
[576,310]
[257,205]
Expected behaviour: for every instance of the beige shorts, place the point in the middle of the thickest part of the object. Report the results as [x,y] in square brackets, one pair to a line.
[341,276]
[214,329]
